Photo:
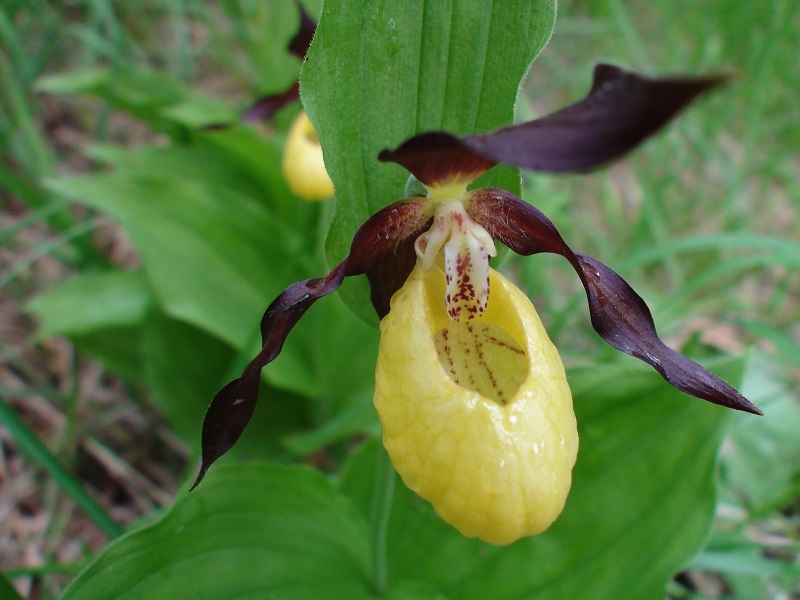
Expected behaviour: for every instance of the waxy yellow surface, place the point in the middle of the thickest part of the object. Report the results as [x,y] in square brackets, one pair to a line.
[303,166]
[482,428]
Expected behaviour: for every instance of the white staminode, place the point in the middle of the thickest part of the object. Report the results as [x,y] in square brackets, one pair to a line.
[467,248]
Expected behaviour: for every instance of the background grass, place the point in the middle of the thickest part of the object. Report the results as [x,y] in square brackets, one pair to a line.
[703,221]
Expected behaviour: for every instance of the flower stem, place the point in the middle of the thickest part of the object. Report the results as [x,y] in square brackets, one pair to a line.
[380,509]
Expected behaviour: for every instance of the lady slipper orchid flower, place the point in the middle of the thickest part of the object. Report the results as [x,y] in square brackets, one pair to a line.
[476,412]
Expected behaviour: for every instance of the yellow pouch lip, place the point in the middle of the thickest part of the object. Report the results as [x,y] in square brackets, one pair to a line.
[498,472]
[303,165]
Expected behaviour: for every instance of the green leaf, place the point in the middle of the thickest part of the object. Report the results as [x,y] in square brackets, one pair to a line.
[379,72]
[7,589]
[746,561]
[74,82]
[250,531]
[220,235]
[118,349]
[185,367]
[103,314]
[207,225]
[150,95]
[358,419]
[341,351]
[761,460]
[641,504]
[92,301]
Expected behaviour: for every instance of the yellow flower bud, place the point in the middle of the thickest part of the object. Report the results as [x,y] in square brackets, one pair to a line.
[303,166]
[477,415]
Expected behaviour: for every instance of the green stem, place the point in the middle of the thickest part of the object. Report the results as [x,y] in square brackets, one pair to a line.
[37,451]
[380,509]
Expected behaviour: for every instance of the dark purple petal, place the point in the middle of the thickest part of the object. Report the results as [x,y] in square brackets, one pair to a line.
[265,107]
[375,243]
[621,110]
[622,319]
[390,271]
[438,158]
[618,313]
[226,418]
[383,248]
[302,40]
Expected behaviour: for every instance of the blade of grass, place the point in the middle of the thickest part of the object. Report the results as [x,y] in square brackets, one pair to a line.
[38,161]
[32,219]
[44,249]
[785,251]
[627,28]
[180,57]
[45,569]
[677,304]
[764,49]
[786,346]
[27,191]
[30,444]
[55,212]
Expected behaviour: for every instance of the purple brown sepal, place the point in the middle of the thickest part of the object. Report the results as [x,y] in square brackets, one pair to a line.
[438,158]
[618,313]
[265,107]
[304,36]
[389,272]
[621,110]
[379,241]
[389,236]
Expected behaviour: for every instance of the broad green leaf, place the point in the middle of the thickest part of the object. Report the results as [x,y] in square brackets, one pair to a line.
[74,82]
[185,367]
[220,236]
[641,504]
[110,317]
[153,97]
[92,301]
[119,349]
[7,589]
[359,419]
[379,72]
[341,351]
[204,221]
[103,314]
[746,561]
[251,531]
[761,459]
